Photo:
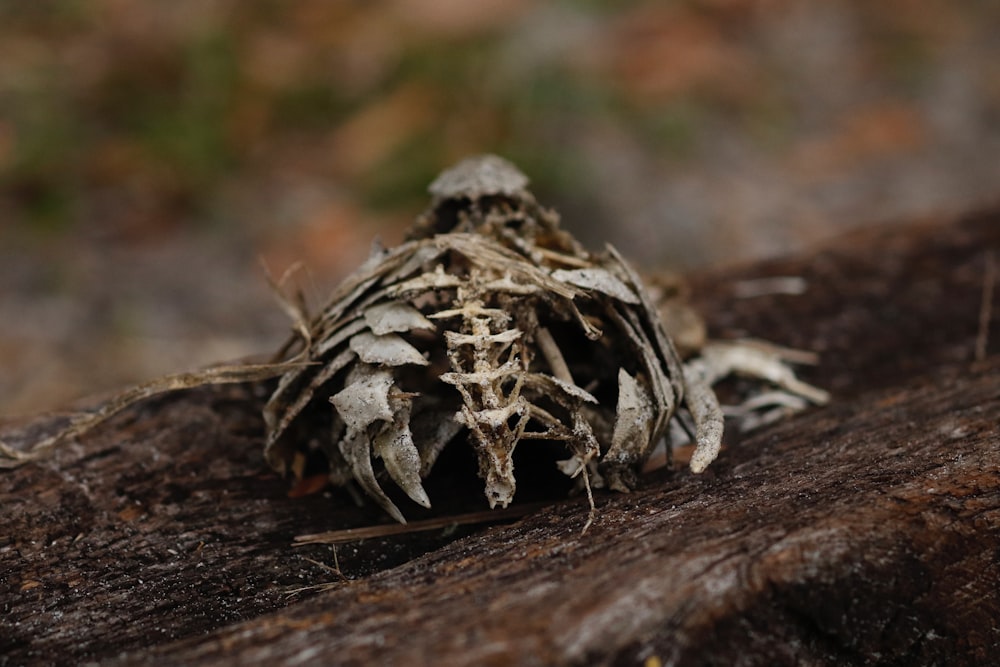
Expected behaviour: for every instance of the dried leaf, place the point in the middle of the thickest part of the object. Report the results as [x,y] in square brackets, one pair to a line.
[394,317]
[366,400]
[394,445]
[387,350]
[599,280]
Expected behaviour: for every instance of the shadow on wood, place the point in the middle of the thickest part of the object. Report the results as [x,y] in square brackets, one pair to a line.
[865,532]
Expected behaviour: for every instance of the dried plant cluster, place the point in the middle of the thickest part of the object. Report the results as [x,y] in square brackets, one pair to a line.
[492,327]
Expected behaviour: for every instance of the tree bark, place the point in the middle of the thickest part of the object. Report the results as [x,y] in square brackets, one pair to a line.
[863,532]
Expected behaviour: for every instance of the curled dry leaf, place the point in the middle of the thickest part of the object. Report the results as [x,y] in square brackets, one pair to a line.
[489,327]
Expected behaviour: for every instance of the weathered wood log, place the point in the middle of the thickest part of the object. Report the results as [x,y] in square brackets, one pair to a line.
[864,532]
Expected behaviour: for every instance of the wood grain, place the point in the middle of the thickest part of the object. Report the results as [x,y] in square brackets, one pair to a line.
[865,532]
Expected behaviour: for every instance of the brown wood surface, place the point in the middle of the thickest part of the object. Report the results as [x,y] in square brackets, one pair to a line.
[864,532]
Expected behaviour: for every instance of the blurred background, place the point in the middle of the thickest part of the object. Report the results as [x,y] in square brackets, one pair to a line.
[153,155]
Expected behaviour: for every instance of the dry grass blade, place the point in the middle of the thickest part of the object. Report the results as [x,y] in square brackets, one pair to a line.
[394,529]
[326,585]
[986,306]
[294,305]
[83,422]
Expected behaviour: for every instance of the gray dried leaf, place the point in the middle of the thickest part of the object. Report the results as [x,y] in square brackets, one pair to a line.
[365,400]
[278,458]
[600,280]
[479,176]
[357,454]
[387,350]
[394,445]
[433,429]
[559,388]
[422,257]
[394,317]
[436,280]
[634,417]
[333,337]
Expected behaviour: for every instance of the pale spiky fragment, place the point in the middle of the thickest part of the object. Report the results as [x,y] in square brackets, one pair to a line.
[488,370]
[490,327]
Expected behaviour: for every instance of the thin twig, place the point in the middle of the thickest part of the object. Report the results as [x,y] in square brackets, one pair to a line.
[294,305]
[550,350]
[590,499]
[986,306]
[393,529]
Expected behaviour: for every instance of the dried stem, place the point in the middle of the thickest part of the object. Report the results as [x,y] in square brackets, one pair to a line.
[986,306]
